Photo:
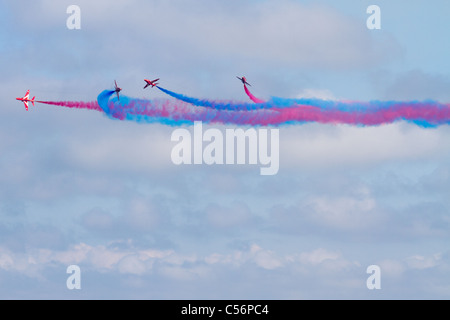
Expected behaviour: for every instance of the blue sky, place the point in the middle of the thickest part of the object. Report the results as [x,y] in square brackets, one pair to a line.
[80,188]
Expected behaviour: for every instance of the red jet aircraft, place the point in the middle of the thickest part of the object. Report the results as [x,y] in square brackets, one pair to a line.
[117,90]
[244,81]
[150,83]
[25,99]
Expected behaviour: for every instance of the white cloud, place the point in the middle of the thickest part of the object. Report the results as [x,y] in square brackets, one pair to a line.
[265,258]
[6,261]
[238,214]
[316,270]
[344,212]
[134,149]
[392,268]
[419,85]
[318,256]
[322,146]
[98,219]
[423,262]
[280,33]
[141,214]
[132,264]
[323,94]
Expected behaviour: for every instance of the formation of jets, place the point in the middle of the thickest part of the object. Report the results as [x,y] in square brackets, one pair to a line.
[148,83]
[25,99]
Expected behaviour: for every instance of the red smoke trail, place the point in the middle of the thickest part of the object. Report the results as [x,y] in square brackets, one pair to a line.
[251,96]
[92,105]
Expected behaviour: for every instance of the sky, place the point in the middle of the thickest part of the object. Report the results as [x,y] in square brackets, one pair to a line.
[80,188]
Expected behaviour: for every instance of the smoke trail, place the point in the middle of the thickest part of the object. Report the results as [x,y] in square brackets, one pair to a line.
[251,96]
[93,105]
[182,112]
[220,105]
[343,105]
[425,113]
[177,112]
[329,107]
[430,111]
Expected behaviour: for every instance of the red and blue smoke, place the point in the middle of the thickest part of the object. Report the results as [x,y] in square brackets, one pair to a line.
[274,112]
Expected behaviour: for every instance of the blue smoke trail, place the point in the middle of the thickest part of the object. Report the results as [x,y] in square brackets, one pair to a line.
[234,106]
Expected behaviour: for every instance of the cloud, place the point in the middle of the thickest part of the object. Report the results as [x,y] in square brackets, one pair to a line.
[97,219]
[419,85]
[317,146]
[324,94]
[318,256]
[265,258]
[310,273]
[131,264]
[345,213]
[238,215]
[100,258]
[270,33]
[356,216]
[392,268]
[18,235]
[140,217]
[422,262]
[132,149]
